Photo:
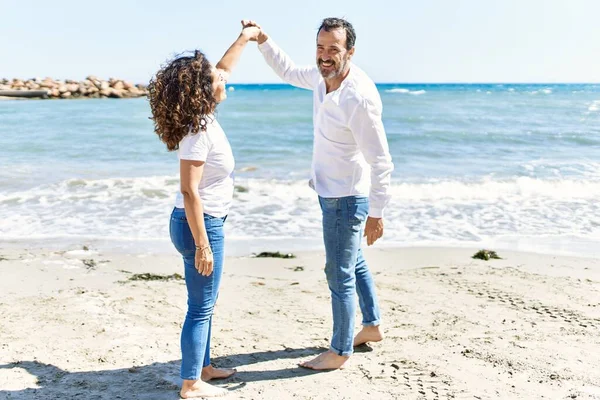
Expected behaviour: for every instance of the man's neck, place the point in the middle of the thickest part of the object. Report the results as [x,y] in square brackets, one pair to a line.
[334,84]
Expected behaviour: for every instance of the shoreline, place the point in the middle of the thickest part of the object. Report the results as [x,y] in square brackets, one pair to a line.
[526,326]
[245,247]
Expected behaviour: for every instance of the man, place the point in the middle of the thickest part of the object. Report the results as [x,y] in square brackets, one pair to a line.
[349,145]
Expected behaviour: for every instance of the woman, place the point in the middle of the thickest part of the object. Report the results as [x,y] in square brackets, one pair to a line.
[183,96]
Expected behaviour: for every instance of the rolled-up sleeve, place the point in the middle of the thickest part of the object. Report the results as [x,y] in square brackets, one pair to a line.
[367,127]
[284,67]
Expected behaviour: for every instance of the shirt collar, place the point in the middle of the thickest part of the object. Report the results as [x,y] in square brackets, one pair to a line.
[335,95]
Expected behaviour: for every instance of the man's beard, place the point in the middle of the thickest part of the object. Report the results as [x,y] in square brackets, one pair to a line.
[335,72]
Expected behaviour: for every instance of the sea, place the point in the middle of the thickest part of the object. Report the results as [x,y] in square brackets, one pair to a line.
[499,166]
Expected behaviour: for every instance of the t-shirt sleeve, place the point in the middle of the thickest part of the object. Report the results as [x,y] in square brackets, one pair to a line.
[194,147]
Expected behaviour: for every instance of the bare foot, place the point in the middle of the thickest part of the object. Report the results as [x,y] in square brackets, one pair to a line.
[211,372]
[197,388]
[369,334]
[324,361]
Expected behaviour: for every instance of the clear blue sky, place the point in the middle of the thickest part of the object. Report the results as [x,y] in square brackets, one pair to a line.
[397,40]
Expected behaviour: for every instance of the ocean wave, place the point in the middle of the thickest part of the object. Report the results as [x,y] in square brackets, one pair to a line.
[398,91]
[100,191]
[585,170]
[406,91]
[595,106]
[518,189]
[436,211]
[542,91]
[160,189]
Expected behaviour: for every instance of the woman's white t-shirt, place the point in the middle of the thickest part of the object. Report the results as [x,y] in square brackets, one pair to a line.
[216,185]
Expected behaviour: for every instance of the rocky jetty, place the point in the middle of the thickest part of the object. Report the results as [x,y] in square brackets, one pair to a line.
[91,87]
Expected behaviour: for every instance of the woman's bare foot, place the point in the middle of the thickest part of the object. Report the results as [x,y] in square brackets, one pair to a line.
[210,372]
[324,361]
[369,334]
[195,389]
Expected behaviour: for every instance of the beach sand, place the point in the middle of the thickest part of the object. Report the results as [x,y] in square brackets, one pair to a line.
[524,327]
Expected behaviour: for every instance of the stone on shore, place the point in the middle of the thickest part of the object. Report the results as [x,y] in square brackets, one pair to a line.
[90,87]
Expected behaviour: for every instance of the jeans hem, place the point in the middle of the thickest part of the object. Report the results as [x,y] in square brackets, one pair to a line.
[374,323]
[190,379]
[341,353]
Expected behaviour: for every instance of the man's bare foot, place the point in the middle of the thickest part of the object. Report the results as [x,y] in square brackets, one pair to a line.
[211,372]
[195,389]
[324,361]
[369,334]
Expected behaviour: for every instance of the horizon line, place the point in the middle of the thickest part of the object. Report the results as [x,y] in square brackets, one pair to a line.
[436,83]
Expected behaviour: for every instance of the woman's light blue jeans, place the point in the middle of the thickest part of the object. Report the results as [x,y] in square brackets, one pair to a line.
[202,291]
[346,269]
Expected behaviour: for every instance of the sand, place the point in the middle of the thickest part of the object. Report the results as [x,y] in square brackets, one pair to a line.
[524,327]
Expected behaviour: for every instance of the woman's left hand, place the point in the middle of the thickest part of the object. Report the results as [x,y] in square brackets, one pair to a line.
[204,261]
[251,30]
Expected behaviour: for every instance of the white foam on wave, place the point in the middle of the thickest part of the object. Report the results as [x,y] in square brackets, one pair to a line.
[406,91]
[138,209]
[522,188]
[433,212]
[588,169]
[542,91]
[398,91]
[106,207]
[595,106]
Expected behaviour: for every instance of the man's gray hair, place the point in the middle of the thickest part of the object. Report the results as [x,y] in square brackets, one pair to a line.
[330,24]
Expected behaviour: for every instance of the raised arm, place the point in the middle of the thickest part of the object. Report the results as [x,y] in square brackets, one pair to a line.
[232,55]
[284,67]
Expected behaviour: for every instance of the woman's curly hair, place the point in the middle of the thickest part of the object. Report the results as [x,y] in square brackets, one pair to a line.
[181,98]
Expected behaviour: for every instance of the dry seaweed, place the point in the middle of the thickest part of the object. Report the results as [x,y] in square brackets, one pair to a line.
[276,254]
[154,277]
[486,255]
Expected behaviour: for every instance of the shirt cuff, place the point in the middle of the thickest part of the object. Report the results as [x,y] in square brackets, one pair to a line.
[266,45]
[375,212]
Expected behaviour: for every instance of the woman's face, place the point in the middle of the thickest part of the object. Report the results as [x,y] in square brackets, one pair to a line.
[219,81]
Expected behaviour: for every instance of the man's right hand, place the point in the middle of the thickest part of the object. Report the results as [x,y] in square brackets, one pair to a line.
[250,30]
[373,230]
[261,37]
